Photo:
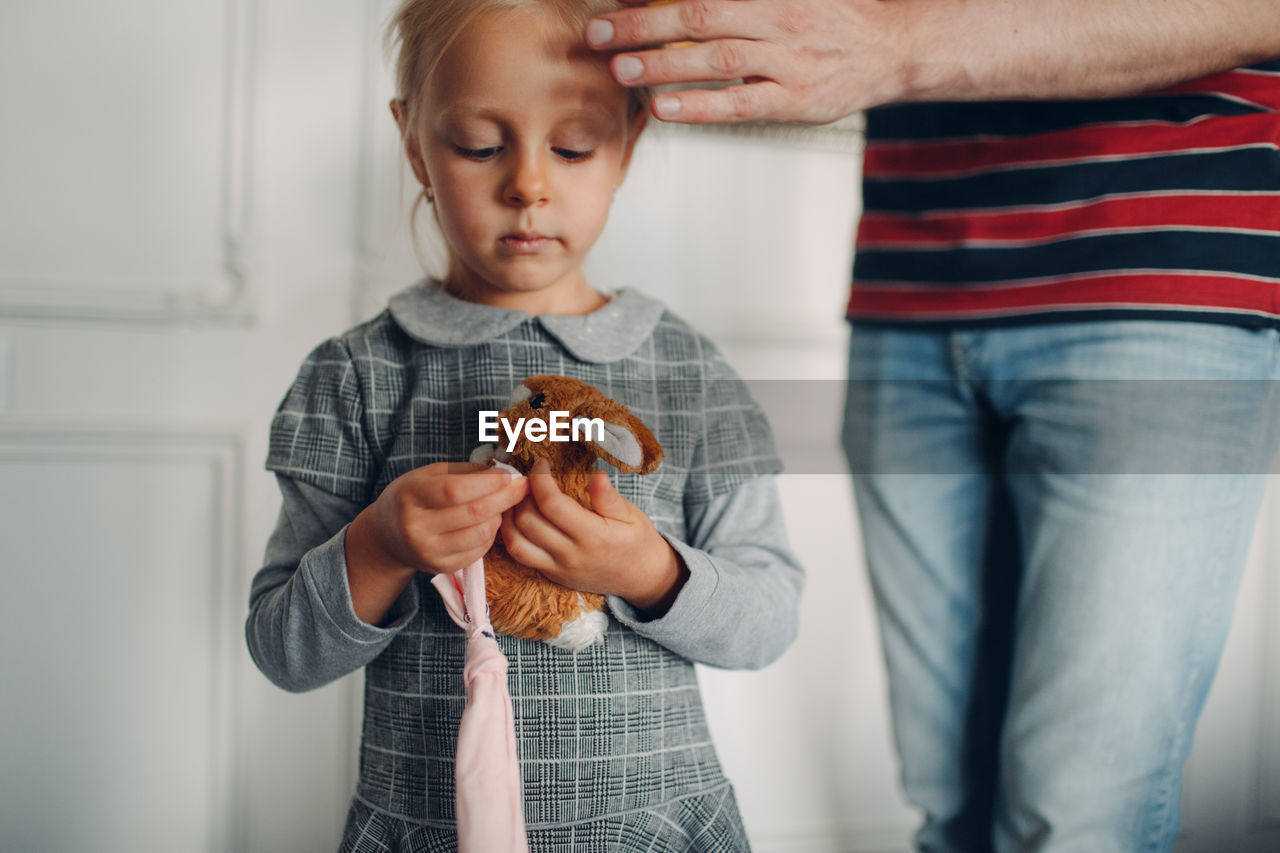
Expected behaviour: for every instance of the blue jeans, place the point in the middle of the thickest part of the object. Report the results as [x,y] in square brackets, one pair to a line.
[1056,518]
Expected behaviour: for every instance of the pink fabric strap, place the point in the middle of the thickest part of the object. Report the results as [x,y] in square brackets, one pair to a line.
[490,804]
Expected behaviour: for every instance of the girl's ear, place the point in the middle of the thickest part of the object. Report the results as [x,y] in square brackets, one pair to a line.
[410,140]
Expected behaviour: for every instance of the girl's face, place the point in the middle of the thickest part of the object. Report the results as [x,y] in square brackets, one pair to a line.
[523,137]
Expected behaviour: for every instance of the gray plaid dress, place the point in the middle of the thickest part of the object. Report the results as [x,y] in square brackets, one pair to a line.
[615,751]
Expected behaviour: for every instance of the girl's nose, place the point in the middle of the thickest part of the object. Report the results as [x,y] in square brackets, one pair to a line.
[527,184]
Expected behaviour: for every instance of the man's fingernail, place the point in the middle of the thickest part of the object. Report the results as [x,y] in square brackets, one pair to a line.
[628,67]
[599,33]
[666,106]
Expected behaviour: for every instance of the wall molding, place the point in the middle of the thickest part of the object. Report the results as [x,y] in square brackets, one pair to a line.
[224,295]
[222,452]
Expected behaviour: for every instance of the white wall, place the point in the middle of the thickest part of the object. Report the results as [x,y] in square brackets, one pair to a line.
[196,193]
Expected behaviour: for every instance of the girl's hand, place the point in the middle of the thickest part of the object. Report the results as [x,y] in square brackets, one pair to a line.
[614,550]
[436,519]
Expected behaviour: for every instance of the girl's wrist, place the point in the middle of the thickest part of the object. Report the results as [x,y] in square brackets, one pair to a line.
[665,580]
[374,577]
[364,548]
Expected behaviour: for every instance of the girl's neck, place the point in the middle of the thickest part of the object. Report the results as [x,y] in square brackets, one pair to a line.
[569,298]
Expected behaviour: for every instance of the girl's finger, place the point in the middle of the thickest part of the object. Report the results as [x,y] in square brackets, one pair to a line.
[535,526]
[605,499]
[483,508]
[561,511]
[459,561]
[522,550]
[465,482]
[465,540]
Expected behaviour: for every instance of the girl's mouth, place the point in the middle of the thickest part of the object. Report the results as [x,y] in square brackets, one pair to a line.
[524,242]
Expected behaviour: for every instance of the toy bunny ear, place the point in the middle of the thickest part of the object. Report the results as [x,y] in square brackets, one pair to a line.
[627,443]
[619,443]
[520,392]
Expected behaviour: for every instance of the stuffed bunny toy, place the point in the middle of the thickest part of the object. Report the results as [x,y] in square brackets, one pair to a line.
[522,602]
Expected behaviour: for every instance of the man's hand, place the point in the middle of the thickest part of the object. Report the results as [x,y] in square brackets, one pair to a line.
[815,61]
[810,61]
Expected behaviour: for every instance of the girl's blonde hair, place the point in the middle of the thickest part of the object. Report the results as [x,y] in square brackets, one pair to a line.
[421,31]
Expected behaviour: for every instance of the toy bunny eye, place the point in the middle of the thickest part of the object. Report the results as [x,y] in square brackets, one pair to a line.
[537,400]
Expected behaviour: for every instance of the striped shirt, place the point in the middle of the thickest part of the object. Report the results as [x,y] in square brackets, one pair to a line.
[1164,205]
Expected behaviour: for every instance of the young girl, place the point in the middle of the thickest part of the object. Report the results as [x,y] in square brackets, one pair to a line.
[519,138]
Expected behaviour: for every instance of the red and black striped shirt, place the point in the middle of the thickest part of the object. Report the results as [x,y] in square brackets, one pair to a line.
[1161,205]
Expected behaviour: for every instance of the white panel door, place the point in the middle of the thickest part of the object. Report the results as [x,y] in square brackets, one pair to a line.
[177,229]
[117,649]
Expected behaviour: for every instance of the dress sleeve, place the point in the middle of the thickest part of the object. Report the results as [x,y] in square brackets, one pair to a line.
[319,434]
[739,607]
[734,444]
[302,629]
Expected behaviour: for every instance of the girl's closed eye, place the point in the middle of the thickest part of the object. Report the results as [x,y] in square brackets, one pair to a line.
[573,155]
[478,154]
[576,144]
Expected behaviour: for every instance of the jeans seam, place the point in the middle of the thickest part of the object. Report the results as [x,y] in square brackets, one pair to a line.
[1163,813]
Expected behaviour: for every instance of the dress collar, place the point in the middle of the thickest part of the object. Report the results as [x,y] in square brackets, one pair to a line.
[430,315]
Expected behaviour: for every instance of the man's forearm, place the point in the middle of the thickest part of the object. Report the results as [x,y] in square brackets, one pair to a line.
[1015,49]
